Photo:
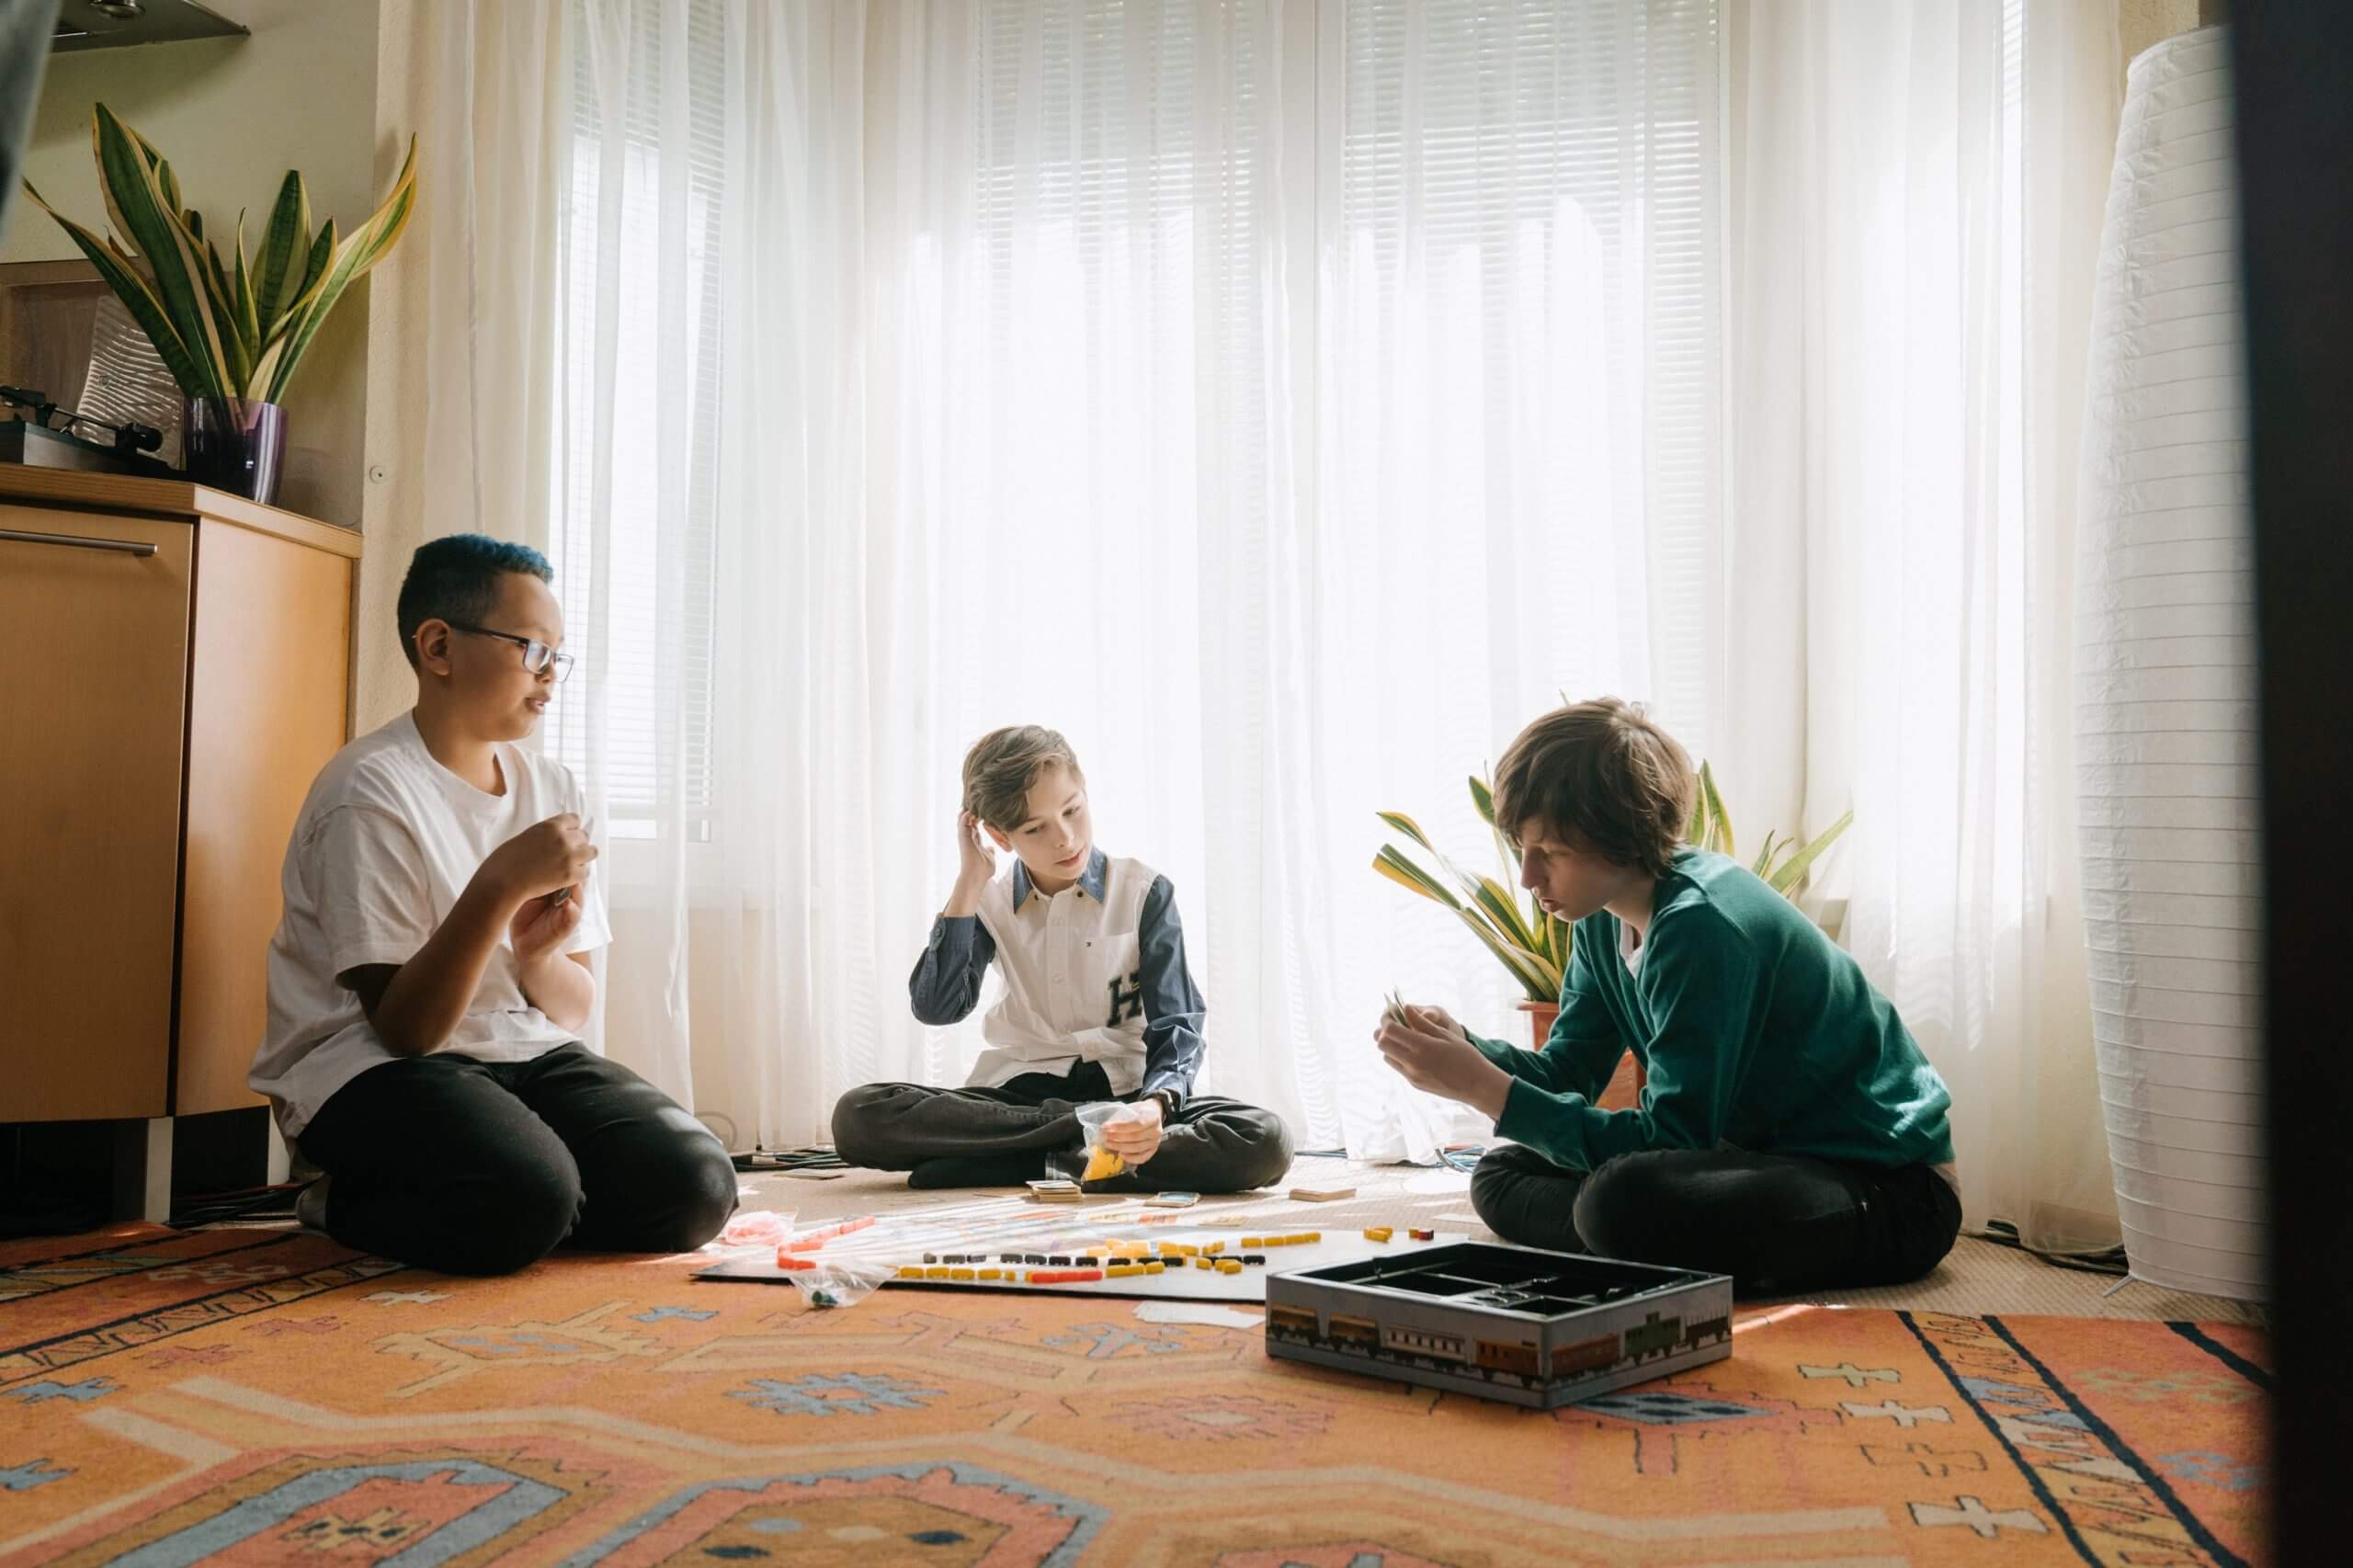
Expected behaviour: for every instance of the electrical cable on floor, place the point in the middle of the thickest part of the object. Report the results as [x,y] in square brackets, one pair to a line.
[2099,1260]
[1459,1156]
[761,1158]
[197,1209]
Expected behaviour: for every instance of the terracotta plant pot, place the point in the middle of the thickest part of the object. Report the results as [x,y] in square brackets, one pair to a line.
[1625,1089]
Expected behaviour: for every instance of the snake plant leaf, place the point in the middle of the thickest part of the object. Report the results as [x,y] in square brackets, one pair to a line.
[236,346]
[1532,971]
[305,294]
[1541,982]
[137,295]
[366,247]
[1764,861]
[1498,904]
[282,247]
[1483,800]
[1403,873]
[1720,825]
[156,234]
[168,181]
[1407,826]
[1788,874]
[306,288]
[248,306]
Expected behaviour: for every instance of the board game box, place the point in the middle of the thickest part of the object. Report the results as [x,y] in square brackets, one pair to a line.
[1504,1322]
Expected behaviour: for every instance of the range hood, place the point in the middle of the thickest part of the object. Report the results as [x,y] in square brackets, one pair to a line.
[117,24]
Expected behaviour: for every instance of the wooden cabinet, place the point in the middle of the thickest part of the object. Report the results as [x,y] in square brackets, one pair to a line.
[175,669]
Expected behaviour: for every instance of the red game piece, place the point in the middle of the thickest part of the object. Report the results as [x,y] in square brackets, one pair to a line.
[809,1241]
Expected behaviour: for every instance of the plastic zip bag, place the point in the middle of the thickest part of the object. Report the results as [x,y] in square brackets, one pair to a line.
[839,1282]
[1101,1162]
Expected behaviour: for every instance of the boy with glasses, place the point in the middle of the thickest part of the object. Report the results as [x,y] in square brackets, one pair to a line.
[430,974]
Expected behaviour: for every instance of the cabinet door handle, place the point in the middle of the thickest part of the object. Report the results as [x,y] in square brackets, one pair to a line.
[128,546]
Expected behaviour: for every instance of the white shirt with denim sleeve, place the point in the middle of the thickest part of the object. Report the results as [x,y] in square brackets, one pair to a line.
[386,841]
[1096,972]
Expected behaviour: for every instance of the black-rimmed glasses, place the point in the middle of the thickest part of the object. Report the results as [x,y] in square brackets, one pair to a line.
[537,656]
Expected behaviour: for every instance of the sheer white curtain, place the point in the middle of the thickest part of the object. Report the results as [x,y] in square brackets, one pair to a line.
[1284,398]
[1188,377]
[1516,492]
[463,397]
[1082,457]
[1919,188]
[710,556]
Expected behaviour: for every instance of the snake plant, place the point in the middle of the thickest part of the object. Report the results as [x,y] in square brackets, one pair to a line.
[226,327]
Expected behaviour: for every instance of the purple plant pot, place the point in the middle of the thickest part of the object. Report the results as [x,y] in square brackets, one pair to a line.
[235,444]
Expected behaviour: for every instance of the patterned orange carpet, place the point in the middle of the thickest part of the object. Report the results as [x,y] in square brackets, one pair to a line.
[266,1397]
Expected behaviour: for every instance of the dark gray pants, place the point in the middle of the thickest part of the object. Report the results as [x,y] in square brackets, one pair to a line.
[1029,1128]
[1779,1225]
[475,1167]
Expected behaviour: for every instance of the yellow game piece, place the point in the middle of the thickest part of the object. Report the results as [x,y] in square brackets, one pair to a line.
[1119,1270]
[992,1273]
[1155,1267]
[1379,1233]
[936,1271]
[959,1273]
[1202,1263]
[1102,1163]
[1229,1265]
[1252,1244]
[1210,1249]
[911,1271]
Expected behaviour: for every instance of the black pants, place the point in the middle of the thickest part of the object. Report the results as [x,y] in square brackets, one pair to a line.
[475,1167]
[1778,1224]
[1023,1128]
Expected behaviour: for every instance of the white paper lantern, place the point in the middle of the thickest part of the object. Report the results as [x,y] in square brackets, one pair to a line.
[2166,681]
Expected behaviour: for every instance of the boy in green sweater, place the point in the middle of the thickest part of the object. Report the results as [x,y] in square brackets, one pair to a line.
[1790,1134]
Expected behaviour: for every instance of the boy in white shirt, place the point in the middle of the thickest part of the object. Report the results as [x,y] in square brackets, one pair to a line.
[1098,1006]
[430,973]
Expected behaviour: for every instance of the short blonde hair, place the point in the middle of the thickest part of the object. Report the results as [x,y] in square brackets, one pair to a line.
[1004,764]
[1604,774]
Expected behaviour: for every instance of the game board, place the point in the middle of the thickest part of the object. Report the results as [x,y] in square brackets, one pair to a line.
[989,1228]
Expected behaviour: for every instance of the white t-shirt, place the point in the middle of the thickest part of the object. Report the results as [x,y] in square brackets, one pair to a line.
[387,840]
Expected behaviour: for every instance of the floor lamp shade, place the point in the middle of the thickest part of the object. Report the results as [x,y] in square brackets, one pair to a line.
[2165,671]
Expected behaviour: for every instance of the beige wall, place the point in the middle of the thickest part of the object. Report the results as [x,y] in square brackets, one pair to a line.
[2141,23]
[233,115]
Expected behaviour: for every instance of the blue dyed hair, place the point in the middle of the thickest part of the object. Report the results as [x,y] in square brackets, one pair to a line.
[456,580]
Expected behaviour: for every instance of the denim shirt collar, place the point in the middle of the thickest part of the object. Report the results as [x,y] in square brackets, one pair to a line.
[1090,881]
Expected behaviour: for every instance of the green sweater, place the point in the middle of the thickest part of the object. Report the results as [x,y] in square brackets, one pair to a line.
[1754,1030]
